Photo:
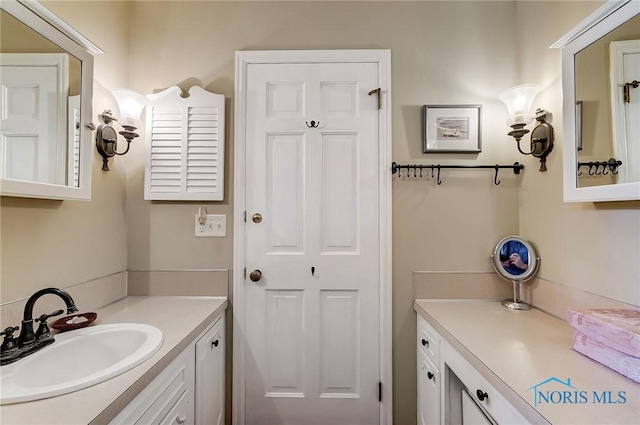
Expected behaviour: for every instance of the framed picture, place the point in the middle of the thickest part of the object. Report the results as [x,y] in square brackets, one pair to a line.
[579,125]
[451,128]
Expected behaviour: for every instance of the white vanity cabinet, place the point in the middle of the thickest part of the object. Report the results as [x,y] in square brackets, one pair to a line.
[450,390]
[189,391]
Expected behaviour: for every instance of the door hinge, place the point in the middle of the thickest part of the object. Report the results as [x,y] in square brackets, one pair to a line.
[377,91]
[625,90]
[245,216]
[244,274]
[380,392]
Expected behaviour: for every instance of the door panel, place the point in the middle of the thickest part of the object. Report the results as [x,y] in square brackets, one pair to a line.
[340,193]
[340,328]
[284,193]
[312,340]
[284,343]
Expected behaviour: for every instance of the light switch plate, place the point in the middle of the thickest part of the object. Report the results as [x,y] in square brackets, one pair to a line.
[215,226]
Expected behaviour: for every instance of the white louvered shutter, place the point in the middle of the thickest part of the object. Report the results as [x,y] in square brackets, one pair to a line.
[185,156]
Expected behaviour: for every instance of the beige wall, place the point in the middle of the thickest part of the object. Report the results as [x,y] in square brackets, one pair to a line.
[592,247]
[61,243]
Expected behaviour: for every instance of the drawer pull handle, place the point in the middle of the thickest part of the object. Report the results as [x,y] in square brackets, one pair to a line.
[481,395]
[215,343]
[181,419]
[430,375]
[425,343]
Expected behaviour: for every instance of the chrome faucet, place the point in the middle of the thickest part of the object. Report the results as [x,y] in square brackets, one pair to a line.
[28,341]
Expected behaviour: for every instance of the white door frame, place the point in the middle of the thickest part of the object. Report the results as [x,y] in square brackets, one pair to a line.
[243,59]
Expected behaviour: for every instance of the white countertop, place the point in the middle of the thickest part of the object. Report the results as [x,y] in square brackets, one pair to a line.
[515,350]
[181,320]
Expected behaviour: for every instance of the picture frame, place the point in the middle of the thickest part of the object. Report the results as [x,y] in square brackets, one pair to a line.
[451,128]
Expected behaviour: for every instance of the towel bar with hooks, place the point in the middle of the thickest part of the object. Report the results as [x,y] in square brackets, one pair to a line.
[594,167]
[416,170]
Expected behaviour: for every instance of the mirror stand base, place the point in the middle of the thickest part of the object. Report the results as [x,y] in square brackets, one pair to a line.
[516,305]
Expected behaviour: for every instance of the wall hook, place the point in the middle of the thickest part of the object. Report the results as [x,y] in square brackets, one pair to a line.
[421,171]
[438,180]
[495,178]
[415,172]
[313,124]
[598,173]
[591,169]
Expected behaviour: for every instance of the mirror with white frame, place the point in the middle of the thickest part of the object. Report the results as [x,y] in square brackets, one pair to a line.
[45,110]
[600,63]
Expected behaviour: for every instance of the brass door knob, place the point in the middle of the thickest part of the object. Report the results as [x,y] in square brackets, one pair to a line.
[257,218]
[255,275]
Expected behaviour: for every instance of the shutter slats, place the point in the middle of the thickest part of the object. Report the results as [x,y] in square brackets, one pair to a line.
[186,153]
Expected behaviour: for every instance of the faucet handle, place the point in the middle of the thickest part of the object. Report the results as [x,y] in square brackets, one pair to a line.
[8,332]
[9,342]
[44,317]
[43,329]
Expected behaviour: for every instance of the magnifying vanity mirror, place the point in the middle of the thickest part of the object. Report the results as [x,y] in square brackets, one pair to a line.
[45,109]
[601,95]
[515,260]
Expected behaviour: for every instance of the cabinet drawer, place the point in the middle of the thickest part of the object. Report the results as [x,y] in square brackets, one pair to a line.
[179,414]
[501,411]
[152,405]
[428,340]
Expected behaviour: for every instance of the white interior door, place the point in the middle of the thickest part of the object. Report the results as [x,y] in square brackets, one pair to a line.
[625,68]
[29,122]
[312,321]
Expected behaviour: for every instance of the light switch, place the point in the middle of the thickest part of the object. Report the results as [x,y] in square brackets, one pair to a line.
[215,226]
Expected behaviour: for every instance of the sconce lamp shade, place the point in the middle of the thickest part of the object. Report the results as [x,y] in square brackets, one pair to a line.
[518,101]
[131,103]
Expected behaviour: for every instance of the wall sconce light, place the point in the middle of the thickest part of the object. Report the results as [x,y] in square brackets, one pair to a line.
[131,103]
[518,101]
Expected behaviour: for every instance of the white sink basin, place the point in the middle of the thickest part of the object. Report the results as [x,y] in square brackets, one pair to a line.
[77,360]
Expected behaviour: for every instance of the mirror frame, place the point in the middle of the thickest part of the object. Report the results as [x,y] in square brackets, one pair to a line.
[41,20]
[604,20]
[534,260]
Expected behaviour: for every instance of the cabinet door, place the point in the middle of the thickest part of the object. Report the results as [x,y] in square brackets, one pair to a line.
[210,376]
[428,391]
[472,414]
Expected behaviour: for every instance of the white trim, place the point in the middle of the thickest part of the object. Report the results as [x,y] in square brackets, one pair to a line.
[61,25]
[590,21]
[243,59]
[571,191]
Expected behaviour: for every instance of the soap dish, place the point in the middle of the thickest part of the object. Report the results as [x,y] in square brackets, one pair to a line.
[74,321]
